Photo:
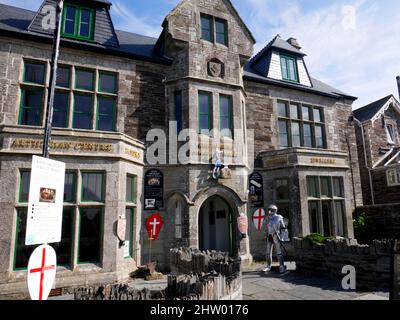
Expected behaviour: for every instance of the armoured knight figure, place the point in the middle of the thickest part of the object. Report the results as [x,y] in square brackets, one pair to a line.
[218,164]
[274,226]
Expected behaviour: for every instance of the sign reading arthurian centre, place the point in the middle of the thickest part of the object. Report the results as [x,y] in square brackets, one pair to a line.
[46,196]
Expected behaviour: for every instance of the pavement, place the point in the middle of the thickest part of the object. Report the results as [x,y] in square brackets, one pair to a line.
[291,285]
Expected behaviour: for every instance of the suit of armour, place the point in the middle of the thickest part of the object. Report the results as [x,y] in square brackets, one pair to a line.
[273,229]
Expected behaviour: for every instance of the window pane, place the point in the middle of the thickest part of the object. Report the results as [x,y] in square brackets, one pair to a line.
[25,178]
[204,122]
[85,23]
[284,67]
[60,113]
[282,189]
[69,26]
[204,111]
[178,111]
[226,125]
[292,74]
[314,214]
[93,187]
[313,187]
[106,114]
[294,111]
[392,179]
[339,218]
[221,31]
[319,137]
[34,72]
[318,115]
[306,112]
[70,187]
[23,252]
[31,107]
[338,187]
[63,77]
[63,249]
[206,28]
[326,187]
[83,105]
[90,235]
[296,137]
[283,134]
[84,80]
[326,218]
[282,110]
[108,83]
[131,189]
[307,135]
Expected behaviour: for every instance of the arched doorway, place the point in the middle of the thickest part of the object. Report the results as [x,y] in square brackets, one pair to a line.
[216,226]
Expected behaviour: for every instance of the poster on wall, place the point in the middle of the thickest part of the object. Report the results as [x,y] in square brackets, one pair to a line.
[256,190]
[153,190]
[46,199]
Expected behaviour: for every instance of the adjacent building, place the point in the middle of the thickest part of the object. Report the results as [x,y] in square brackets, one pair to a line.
[377,130]
[138,122]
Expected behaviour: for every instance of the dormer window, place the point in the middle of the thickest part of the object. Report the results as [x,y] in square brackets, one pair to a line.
[214,29]
[289,68]
[391,135]
[78,22]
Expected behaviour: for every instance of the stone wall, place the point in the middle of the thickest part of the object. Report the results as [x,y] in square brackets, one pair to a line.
[372,263]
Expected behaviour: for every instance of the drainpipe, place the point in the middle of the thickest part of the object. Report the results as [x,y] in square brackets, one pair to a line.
[365,159]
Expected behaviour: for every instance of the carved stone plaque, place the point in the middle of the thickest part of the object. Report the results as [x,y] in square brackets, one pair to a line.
[216,68]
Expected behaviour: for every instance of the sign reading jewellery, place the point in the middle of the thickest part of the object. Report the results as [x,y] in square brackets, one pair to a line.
[153,190]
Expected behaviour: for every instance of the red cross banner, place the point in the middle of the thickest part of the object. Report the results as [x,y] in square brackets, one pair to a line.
[41,272]
[259,218]
[154,224]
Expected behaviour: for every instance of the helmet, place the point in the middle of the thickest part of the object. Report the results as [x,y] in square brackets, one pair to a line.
[273,208]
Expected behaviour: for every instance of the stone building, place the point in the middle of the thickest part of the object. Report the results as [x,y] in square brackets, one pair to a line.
[377,130]
[139,123]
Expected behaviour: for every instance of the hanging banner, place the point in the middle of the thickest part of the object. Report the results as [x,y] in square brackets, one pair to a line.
[46,200]
[256,189]
[153,190]
[243,224]
[259,218]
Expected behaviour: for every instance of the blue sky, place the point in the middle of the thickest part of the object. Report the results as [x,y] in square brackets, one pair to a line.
[353,45]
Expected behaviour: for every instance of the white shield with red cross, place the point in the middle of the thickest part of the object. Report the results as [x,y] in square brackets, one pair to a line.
[259,218]
[41,272]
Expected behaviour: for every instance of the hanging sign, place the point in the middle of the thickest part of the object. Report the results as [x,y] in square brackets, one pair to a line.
[46,200]
[153,190]
[42,267]
[259,218]
[154,224]
[243,224]
[256,190]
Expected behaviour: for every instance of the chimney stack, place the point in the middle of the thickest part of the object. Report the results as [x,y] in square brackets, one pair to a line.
[398,84]
[293,41]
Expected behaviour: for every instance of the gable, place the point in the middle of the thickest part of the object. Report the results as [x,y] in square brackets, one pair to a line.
[104,32]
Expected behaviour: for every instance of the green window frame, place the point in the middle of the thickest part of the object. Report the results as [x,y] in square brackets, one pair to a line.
[226,116]
[207,27]
[64,249]
[24,183]
[34,64]
[78,22]
[31,115]
[88,113]
[221,36]
[84,188]
[21,251]
[60,112]
[289,69]
[101,81]
[70,179]
[131,188]
[99,233]
[205,113]
[110,117]
[63,74]
[130,213]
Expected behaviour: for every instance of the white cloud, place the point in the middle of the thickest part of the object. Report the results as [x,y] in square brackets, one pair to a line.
[362,61]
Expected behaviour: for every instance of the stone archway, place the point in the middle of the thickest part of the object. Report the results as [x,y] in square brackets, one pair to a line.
[217,226]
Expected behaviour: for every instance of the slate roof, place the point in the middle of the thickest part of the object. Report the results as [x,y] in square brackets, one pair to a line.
[369,111]
[15,22]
